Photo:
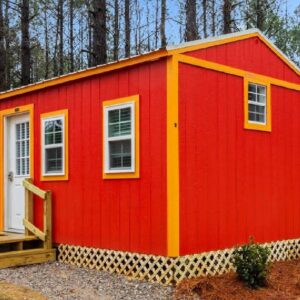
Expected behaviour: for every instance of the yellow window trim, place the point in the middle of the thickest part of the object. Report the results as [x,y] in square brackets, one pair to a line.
[65,114]
[136,174]
[256,126]
[9,113]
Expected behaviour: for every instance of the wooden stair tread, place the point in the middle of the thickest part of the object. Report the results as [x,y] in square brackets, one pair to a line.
[26,257]
[26,252]
[16,238]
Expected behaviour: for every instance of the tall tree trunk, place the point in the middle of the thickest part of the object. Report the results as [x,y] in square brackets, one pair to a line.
[99,32]
[127,29]
[213,17]
[71,21]
[260,17]
[25,43]
[227,11]
[156,24]
[148,28]
[46,43]
[2,49]
[191,30]
[90,33]
[163,39]
[8,58]
[116,30]
[204,17]
[61,37]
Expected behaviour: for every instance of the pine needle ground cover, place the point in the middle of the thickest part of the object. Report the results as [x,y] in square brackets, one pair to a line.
[283,283]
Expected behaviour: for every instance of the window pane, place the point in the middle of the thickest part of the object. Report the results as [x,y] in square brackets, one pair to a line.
[58,138]
[252,88]
[49,126]
[260,118]
[261,99]
[252,97]
[125,128]
[53,132]
[261,89]
[49,138]
[125,114]
[53,160]
[120,154]
[114,130]
[252,117]
[119,122]
[18,131]
[58,125]
[114,116]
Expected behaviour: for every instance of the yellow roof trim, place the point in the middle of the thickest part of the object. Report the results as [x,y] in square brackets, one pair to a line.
[230,38]
[155,55]
[85,73]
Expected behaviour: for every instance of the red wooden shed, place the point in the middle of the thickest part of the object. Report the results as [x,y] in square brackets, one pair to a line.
[156,159]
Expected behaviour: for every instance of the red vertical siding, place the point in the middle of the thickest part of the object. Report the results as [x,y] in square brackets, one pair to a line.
[235,183]
[127,215]
[251,55]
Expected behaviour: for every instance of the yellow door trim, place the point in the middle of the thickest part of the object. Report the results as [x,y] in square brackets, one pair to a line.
[9,113]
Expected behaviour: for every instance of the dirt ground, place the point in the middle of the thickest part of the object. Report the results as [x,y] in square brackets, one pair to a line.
[10,291]
[283,284]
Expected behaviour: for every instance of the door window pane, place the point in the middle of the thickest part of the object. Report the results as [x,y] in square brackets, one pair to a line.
[22,149]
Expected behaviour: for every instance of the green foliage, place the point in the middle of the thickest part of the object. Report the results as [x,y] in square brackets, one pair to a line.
[251,264]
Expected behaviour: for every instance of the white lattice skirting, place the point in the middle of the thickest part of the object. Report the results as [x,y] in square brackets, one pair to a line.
[162,269]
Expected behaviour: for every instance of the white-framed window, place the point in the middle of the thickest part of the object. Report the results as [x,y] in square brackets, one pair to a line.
[257,106]
[53,146]
[119,138]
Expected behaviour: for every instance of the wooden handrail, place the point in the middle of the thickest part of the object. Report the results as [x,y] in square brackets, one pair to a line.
[30,229]
[27,183]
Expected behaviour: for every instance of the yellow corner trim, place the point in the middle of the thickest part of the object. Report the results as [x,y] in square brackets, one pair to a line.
[131,99]
[65,114]
[9,113]
[247,123]
[173,238]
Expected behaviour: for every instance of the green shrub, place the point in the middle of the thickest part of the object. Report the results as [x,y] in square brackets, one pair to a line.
[251,264]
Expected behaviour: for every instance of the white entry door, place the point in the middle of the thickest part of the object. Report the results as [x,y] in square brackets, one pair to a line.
[17,169]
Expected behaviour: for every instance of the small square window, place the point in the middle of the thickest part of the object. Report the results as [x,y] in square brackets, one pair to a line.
[257,103]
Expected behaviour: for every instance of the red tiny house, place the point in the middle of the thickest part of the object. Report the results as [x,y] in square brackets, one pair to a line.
[214,144]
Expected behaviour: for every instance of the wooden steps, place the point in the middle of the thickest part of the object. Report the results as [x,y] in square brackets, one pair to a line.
[26,257]
[35,246]
[9,238]
[21,249]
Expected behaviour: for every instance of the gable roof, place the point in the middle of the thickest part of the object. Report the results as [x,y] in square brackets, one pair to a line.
[152,56]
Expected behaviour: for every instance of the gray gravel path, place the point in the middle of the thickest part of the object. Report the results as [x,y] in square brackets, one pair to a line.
[58,281]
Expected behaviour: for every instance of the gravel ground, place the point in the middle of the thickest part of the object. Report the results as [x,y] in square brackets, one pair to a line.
[58,281]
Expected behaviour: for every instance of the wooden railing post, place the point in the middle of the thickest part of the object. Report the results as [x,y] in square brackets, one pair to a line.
[48,220]
[30,228]
[28,207]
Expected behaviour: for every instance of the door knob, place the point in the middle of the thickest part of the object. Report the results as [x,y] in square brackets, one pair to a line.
[11,176]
